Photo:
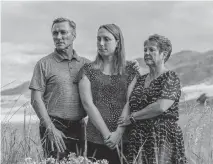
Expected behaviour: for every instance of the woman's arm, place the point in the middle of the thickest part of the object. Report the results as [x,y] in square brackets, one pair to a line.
[153,109]
[91,109]
[117,135]
[125,113]
[169,93]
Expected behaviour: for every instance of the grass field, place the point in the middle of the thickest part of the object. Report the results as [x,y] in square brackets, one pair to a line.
[20,140]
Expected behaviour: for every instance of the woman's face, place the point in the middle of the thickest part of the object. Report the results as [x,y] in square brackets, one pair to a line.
[152,56]
[106,42]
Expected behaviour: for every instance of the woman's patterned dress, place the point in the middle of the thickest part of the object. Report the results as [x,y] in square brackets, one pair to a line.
[159,140]
[109,93]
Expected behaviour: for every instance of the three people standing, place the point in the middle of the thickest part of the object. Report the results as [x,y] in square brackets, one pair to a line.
[65,87]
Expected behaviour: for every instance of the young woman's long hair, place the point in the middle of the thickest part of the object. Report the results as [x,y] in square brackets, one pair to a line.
[119,62]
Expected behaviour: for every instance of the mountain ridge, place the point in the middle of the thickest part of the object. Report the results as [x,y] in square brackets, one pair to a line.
[186,63]
[191,66]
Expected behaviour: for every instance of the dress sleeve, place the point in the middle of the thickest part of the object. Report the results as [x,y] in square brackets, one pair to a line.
[85,70]
[38,81]
[131,71]
[171,88]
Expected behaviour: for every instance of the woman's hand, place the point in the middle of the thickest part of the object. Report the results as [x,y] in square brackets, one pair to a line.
[124,121]
[113,140]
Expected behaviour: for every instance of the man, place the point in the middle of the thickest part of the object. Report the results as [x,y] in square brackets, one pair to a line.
[54,96]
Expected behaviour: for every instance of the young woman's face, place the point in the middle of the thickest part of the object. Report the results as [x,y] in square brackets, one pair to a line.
[152,56]
[106,42]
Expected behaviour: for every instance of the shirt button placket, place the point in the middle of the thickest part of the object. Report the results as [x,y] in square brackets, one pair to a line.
[69,65]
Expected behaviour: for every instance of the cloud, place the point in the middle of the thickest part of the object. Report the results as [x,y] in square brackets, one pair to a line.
[23,53]
[20,9]
[194,14]
[18,60]
[24,48]
[26,26]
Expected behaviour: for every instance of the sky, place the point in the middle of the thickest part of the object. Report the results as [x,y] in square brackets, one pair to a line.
[26,35]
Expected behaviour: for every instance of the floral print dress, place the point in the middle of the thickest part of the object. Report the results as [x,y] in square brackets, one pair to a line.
[157,140]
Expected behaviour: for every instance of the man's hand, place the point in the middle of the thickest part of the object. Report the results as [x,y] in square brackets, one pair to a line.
[113,140]
[56,137]
[137,67]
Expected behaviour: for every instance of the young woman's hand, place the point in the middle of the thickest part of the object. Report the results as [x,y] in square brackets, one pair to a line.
[113,140]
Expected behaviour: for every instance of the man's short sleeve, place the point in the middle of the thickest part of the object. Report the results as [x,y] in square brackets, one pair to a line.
[38,81]
[85,70]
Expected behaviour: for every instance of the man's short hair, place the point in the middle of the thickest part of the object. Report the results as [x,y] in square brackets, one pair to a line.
[71,23]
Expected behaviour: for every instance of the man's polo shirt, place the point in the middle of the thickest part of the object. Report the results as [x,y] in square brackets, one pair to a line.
[54,75]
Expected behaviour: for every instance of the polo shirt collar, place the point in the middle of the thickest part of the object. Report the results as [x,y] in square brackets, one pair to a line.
[59,58]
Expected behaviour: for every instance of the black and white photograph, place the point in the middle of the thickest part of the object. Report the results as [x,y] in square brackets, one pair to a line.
[106,82]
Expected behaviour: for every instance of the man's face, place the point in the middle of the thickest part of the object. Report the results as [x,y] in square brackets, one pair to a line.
[62,35]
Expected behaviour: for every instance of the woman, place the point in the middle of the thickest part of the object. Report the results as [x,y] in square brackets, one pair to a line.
[155,137]
[103,87]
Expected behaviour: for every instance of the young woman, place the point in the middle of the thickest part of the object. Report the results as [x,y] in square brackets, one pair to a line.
[103,87]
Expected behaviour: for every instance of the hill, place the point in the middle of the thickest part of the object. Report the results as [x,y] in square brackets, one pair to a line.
[192,67]
[18,90]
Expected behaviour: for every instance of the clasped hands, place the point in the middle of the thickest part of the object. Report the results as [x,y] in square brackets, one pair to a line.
[114,138]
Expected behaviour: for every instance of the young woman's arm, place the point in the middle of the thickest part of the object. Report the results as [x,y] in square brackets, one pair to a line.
[91,109]
[117,135]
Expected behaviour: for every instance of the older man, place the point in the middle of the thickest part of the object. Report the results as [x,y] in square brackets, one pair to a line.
[54,96]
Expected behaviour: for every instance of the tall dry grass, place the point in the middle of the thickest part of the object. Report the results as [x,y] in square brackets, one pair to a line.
[20,141]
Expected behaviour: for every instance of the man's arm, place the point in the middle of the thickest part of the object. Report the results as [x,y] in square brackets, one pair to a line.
[54,134]
[40,109]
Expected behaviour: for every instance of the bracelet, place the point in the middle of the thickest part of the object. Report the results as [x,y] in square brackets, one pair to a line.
[132,119]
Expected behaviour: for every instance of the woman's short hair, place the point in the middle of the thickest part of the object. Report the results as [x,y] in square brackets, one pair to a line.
[71,23]
[163,43]
[119,62]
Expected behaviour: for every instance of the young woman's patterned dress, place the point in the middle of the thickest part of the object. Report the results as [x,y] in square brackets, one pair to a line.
[159,139]
[109,93]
